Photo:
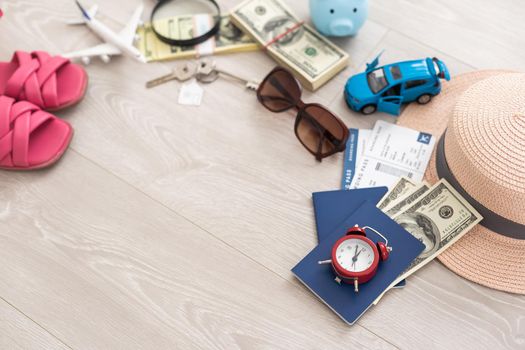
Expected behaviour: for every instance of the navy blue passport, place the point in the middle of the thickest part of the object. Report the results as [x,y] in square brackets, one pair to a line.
[341,298]
[332,207]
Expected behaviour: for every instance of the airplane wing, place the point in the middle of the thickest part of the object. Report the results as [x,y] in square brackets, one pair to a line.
[99,50]
[128,32]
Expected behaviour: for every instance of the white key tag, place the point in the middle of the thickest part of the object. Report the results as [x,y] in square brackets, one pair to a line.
[190,93]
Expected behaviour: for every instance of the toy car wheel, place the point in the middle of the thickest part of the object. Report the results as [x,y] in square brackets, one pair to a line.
[424,99]
[368,109]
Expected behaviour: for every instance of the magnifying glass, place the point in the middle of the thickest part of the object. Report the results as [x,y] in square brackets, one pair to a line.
[196,21]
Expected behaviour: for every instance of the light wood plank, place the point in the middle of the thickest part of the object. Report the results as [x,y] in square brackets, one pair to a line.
[101,265]
[482,33]
[237,171]
[438,309]
[17,331]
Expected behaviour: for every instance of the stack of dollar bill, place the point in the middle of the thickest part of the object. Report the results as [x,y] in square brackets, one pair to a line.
[436,215]
[312,58]
[229,40]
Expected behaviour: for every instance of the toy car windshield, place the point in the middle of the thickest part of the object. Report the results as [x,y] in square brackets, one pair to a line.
[377,80]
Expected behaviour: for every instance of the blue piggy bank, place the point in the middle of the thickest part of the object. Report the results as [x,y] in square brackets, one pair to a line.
[338,17]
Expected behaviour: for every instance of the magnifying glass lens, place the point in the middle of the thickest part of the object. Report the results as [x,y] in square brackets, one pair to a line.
[185,22]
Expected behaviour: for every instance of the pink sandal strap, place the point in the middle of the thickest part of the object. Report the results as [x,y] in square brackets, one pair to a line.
[35,78]
[46,75]
[20,140]
[21,120]
[23,78]
[6,139]
[48,65]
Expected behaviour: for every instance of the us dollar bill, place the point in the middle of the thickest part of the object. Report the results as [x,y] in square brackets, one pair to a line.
[230,39]
[310,56]
[403,186]
[405,201]
[438,219]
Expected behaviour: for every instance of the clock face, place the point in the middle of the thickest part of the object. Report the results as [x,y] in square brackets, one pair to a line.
[355,255]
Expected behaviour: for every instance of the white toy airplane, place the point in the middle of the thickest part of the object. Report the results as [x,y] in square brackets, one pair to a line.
[115,43]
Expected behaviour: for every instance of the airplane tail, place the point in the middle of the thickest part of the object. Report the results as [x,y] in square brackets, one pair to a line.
[86,15]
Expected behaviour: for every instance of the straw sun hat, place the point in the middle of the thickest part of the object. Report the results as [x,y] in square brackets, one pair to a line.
[479,120]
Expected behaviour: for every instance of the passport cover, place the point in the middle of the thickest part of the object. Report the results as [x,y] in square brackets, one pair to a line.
[341,298]
[332,207]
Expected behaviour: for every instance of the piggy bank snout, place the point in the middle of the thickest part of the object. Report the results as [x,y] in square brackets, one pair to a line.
[342,27]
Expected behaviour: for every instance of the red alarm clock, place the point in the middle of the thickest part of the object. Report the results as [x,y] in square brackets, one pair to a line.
[355,257]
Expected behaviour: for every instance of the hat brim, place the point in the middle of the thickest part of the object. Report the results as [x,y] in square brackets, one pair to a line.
[481,256]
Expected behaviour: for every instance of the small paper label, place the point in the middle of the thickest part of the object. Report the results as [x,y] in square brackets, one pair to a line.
[190,93]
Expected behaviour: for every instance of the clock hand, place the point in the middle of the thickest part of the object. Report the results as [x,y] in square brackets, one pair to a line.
[354,259]
[355,254]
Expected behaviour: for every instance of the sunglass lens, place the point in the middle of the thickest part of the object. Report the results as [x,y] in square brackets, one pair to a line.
[309,134]
[279,91]
[320,131]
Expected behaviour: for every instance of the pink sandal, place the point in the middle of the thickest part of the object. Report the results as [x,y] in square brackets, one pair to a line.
[51,83]
[29,137]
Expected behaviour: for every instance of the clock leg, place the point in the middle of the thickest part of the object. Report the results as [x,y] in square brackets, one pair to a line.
[337,279]
[356,286]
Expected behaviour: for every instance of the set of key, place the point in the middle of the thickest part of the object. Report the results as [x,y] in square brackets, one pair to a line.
[204,71]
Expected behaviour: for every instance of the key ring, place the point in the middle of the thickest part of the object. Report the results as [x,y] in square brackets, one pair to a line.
[186,42]
[207,78]
[206,72]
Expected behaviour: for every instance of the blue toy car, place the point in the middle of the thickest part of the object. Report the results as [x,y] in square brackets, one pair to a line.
[386,88]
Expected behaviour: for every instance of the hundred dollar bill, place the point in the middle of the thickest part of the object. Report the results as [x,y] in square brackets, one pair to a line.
[438,219]
[402,203]
[403,186]
[230,39]
[311,57]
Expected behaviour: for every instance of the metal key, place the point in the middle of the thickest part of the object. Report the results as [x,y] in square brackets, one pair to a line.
[207,73]
[181,73]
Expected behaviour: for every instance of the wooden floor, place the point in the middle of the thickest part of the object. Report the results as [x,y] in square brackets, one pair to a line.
[172,227]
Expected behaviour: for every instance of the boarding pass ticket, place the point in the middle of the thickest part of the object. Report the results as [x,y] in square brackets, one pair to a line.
[355,148]
[380,156]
